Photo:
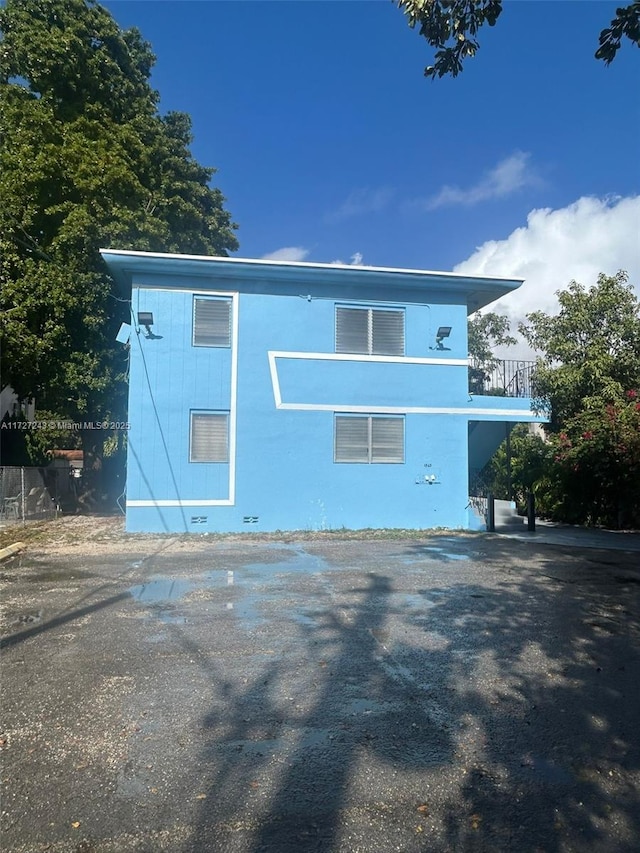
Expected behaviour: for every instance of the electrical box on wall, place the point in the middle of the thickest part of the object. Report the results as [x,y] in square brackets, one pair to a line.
[430,478]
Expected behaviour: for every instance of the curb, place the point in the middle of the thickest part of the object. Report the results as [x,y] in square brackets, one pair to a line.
[10,550]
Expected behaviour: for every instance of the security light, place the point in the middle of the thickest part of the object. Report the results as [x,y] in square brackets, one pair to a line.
[145,318]
[442,333]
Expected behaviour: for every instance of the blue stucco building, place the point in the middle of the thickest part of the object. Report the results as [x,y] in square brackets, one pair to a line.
[269,395]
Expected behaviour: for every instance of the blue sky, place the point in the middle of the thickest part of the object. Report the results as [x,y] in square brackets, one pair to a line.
[330,144]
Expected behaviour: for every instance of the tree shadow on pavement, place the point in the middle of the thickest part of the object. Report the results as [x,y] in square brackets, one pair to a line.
[544,672]
[306,732]
[492,715]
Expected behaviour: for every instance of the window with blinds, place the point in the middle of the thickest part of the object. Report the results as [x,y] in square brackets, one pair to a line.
[209,437]
[211,322]
[370,331]
[369,439]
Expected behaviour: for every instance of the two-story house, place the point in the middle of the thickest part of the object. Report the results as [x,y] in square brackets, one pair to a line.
[269,395]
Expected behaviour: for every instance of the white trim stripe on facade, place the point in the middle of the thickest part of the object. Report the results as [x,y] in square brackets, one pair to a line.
[233,411]
[332,356]
[383,410]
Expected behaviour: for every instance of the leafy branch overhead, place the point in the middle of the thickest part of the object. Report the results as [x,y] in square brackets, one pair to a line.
[451,27]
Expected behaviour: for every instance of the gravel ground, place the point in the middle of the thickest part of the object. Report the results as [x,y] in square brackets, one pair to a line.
[330,692]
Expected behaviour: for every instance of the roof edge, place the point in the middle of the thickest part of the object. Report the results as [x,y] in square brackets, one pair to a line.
[131,253]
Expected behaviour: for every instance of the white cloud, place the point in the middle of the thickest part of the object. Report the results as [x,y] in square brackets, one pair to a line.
[510,175]
[354,261]
[590,236]
[288,253]
[361,201]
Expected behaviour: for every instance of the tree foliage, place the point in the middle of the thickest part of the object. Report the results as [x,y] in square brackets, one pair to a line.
[515,471]
[588,379]
[451,27]
[590,349]
[597,464]
[485,333]
[86,161]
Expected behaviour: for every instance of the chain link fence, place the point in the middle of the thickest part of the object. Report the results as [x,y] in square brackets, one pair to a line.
[28,494]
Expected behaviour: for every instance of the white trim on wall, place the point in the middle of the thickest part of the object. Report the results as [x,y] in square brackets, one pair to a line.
[412,410]
[233,406]
[187,291]
[233,403]
[344,356]
[180,503]
[333,356]
[498,414]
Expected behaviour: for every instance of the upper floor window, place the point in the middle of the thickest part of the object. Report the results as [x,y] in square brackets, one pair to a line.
[370,331]
[211,322]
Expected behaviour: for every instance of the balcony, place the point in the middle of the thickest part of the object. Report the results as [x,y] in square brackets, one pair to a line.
[501,378]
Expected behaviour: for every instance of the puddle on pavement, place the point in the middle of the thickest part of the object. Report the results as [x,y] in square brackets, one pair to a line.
[443,548]
[162,594]
[449,555]
[238,596]
[162,590]
[435,553]
[442,553]
[246,610]
[300,562]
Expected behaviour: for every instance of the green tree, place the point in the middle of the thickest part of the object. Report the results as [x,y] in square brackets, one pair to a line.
[512,474]
[590,349]
[86,161]
[451,27]
[485,333]
[588,379]
[597,464]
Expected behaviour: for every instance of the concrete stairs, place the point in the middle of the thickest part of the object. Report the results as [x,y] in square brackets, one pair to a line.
[507,519]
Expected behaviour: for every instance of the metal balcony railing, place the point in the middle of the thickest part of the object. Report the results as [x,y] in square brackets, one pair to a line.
[502,378]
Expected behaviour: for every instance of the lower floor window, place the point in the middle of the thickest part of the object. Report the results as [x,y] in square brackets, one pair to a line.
[209,437]
[368,438]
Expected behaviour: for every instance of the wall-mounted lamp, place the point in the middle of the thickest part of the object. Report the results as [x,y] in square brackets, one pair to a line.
[442,333]
[145,318]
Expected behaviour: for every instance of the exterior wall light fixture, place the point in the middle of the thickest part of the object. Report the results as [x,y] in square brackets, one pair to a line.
[442,333]
[145,318]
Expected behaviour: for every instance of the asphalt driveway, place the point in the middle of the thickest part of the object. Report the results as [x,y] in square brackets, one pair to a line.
[453,693]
